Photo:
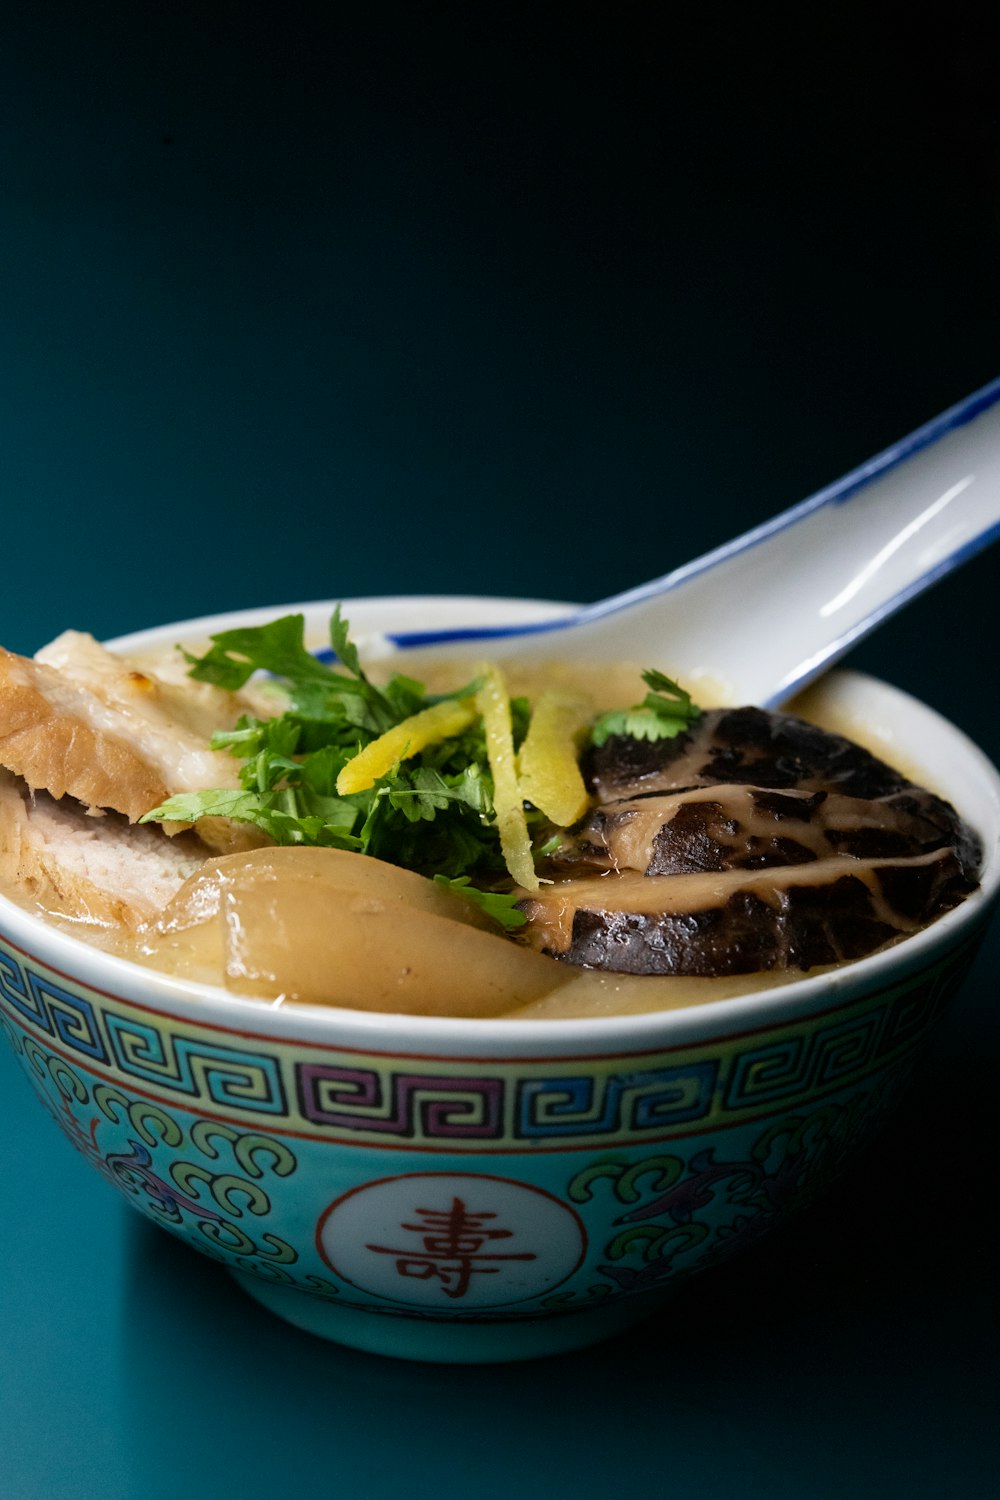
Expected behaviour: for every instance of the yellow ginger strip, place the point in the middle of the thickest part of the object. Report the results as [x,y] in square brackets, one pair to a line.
[493,702]
[549,772]
[403,741]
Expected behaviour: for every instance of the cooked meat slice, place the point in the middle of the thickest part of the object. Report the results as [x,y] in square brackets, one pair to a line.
[91,869]
[156,698]
[63,740]
[85,724]
[170,724]
[738,921]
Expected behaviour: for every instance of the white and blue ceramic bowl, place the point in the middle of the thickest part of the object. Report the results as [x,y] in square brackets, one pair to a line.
[482,1190]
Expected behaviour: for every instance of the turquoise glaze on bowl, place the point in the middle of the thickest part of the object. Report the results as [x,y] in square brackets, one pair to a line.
[482,1190]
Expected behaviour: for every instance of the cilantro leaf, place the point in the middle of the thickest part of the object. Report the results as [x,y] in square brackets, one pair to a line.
[282,824]
[188,807]
[638,724]
[665,712]
[495,904]
[344,647]
[276,647]
[279,648]
[668,697]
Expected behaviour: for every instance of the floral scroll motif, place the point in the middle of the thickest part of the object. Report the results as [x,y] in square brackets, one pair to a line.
[201,1180]
[681,1212]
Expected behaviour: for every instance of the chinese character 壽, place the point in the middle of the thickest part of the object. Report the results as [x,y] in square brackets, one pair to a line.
[452,1248]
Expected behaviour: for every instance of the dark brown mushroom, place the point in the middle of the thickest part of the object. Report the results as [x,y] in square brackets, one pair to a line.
[754,841]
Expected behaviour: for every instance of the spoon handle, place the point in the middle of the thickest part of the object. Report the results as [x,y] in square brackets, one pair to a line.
[761,616]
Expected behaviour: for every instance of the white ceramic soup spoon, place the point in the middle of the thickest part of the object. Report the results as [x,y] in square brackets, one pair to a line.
[758,618]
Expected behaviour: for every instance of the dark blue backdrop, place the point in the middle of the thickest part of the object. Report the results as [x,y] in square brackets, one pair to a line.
[311,300]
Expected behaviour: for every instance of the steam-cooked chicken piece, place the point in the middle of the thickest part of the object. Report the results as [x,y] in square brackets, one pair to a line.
[63,740]
[170,709]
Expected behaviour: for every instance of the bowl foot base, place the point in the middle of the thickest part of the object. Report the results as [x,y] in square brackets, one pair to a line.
[440,1341]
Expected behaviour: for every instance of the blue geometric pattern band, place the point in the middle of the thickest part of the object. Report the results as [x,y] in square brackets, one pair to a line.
[458,1104]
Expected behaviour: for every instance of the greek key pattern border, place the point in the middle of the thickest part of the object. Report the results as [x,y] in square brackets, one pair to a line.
[449,1104]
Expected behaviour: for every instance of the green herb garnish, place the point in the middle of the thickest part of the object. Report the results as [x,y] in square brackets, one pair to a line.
[495,904]
[431,812]
[428,814]
[665,712]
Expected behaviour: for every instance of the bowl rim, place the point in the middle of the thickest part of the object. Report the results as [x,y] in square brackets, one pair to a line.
[412,1035]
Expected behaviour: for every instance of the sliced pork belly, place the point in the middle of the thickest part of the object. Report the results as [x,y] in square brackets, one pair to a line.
[95,870]
[754,841]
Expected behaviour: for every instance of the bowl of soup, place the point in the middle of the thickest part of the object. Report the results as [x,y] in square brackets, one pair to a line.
[512,1177]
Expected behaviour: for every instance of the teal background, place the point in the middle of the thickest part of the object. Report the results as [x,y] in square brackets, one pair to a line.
[333,299]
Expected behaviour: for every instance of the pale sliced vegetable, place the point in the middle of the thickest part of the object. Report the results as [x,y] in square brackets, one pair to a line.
[548,764]
[330,871]
[493,702]
[439,722]
[358,950]
[327,927]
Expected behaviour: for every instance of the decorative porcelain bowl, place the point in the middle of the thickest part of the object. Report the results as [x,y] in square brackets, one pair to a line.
[483,1190]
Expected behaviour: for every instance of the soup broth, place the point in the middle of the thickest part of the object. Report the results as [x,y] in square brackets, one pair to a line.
[201,951]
